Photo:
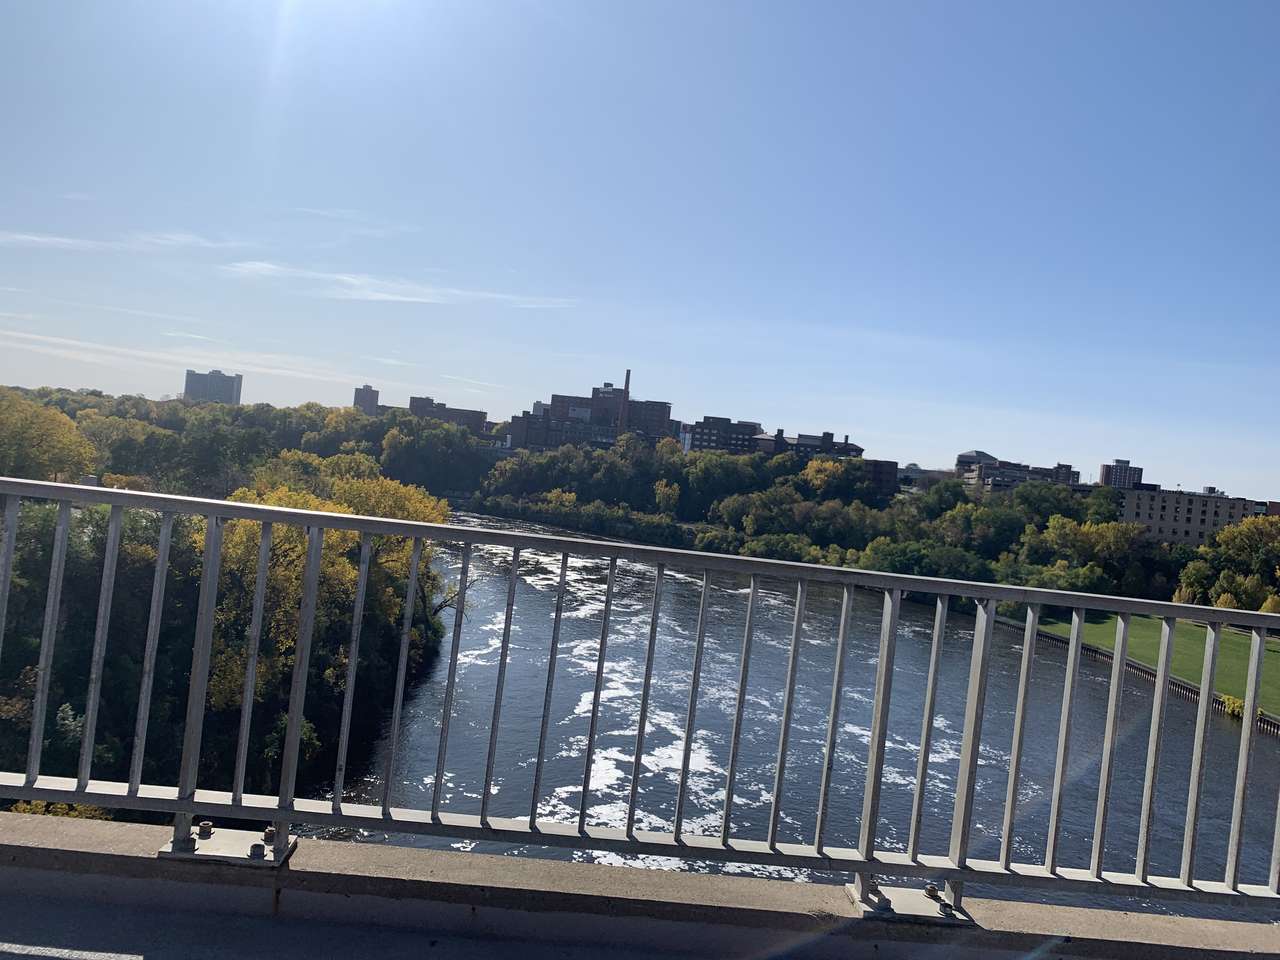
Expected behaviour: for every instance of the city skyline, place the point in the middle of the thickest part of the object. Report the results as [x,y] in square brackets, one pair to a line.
[852,220]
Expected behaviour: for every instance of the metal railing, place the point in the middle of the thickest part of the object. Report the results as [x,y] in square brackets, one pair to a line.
[185,799]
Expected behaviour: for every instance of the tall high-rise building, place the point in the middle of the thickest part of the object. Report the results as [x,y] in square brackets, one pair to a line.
[1120,474]
[366,400]
[213,387]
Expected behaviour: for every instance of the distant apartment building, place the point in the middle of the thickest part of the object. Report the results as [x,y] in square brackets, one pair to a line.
[473,420]
[1120,474]
[720,433]
[366,400]
[979,470]
[213,387]
[598,419]
[1173,516]
[915,476]
[883,475]
[806,445]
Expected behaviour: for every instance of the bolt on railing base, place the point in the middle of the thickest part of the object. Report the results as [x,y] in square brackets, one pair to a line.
[904,903]
[241,847]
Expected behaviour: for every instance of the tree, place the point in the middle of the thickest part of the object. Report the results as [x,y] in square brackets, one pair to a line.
[39,442]
[666,496]
[1039,501]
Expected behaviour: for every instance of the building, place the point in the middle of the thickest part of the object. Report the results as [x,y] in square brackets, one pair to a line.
[720,433]
[366,400]
[473,420]
[213,387]
[1173,516]
[1120,474]
[806,445]
[913,476]
[979,470]
[883,476]
[597,420]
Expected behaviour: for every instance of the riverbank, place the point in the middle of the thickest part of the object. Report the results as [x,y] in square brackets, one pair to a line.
[1187,660]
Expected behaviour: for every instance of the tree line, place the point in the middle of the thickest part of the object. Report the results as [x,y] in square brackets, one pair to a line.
[822,510]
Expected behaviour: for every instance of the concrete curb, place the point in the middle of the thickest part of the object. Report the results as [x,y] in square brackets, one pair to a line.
[549,902]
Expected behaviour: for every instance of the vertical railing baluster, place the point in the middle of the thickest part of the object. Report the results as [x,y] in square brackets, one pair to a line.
[1119,656]
[1213,637]
[1248,723]
[868,826]
[446,713]
[503,653]
[1029,637]
[780,764]
[198,688]
[690,730]
[353,663]
[298,685]
[1160,697]
[154,620]
[106,591]
[52,610]
[744,666]
[1064,739]
[8,549]
[536,792]
[1273,874]
[833,719]
[971,744]
[402,668]
[636,764]
[595,696]
[252,641]
[926,726]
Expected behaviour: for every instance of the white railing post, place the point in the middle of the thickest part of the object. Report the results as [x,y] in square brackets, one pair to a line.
[198,687]
[864,884]
[1248,724]
[1064,739]
[298,684]
[966,777]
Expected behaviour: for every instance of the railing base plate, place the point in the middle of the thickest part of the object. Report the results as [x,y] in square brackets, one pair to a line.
[907,904]
[230,846]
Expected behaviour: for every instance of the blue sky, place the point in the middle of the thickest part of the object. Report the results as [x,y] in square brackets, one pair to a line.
[1051,231]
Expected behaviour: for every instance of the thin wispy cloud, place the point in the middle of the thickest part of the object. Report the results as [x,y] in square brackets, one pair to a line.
[358,224]
[392,362]
[175,239]
[364,286]
[48,241]
[107,307]
[291,365]
[474,383]
[184,335]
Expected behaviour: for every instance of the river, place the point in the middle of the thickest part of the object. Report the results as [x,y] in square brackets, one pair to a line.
[610,783]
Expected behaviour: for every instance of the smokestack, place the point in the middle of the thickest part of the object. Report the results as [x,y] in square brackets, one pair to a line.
[626,403]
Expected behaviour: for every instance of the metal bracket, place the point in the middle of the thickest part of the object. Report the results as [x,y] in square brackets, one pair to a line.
[221,845]
[904,904]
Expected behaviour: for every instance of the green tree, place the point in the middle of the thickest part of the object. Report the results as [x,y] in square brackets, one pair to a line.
[39,442]
[666,496]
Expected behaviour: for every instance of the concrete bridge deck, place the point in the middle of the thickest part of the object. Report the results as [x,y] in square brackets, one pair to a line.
[95,890]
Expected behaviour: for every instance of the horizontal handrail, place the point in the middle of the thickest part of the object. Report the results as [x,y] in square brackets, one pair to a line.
[639,553]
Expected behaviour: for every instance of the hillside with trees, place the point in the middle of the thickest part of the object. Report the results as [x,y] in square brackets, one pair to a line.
[821,511]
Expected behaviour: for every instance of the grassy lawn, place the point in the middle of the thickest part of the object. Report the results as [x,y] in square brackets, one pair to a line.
[1188,652]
